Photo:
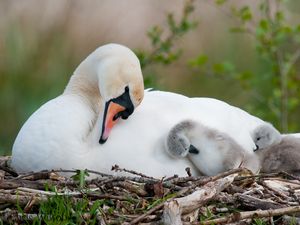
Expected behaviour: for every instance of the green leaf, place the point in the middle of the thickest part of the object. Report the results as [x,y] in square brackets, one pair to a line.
[220,2]
[279,16]
[80,176]
[293,103]
[228,66]
[297,29]
[218,68]
[155,35]
[199,61]
[246,75]
[245,13]
[264,24]
[237,30]
[171,23]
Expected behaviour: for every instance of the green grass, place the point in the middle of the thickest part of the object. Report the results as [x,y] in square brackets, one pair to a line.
[63,210]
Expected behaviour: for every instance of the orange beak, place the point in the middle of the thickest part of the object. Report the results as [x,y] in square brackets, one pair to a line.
[110,118]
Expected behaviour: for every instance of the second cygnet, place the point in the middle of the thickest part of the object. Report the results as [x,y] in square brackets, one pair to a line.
[278,152]
[265,135]
[210,150]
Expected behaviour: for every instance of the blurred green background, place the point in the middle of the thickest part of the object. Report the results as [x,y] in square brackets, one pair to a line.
[42,42]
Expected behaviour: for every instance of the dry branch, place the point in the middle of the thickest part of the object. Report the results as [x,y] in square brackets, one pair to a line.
[140,199]
[253,203]
[253,214]
[175,207]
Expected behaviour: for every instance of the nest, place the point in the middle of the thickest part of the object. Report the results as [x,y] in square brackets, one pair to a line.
[235,196]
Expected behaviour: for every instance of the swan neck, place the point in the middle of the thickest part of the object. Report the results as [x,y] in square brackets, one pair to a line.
[81,86]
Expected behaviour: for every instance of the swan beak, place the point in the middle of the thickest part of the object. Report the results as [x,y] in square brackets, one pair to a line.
[110,118]
[256,148]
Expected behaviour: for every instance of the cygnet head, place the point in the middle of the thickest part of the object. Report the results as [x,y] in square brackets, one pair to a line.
[113,74]
[265,135]
[177,143]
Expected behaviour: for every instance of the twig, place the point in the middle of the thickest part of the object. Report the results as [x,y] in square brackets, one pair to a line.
[264,184]
[252,214]
[252,203]
[117,168]
[149,212]
[9,216]
[44,172]
[209,179]
[8,170]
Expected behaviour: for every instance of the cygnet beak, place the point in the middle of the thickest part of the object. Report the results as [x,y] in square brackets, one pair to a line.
[193,150]
[257,147]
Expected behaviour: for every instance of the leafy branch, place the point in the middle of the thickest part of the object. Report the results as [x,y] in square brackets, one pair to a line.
[163,47]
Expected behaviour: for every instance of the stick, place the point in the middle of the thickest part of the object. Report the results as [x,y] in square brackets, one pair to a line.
[252,214]
[118,169]
[8,170]
[172,213]
[252,203]
[175,207]
[60,171]
[185,190]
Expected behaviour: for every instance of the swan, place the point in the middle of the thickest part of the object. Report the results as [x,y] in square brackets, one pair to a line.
[106,86]
[210,150]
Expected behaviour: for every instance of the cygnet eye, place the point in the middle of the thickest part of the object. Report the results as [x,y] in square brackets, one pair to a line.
[126,88]
[258,138]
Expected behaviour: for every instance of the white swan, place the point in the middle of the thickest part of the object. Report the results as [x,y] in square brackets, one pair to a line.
[66,131]
[210,150]
[107,85]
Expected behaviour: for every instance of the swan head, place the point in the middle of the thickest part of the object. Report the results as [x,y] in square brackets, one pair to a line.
[265,135]
[117,72]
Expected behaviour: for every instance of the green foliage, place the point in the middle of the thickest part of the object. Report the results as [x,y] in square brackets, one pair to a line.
[164,50]
[259,222]
[80,176]
[275,86]
[66,210]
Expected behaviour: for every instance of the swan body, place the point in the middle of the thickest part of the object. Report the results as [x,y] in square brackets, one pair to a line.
[210,150]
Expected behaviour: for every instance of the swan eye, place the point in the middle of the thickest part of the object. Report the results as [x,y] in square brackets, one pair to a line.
[126,88]
[258,138]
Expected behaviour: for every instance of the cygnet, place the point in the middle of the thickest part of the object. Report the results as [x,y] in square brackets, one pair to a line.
[277,152]
[210,150]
